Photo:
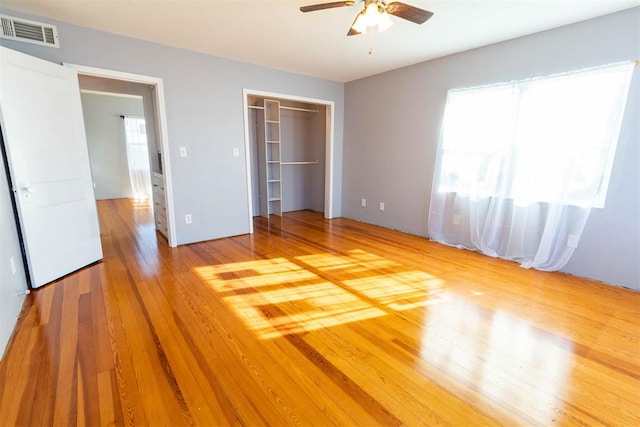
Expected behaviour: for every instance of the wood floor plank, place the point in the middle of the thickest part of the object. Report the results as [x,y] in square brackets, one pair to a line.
[261,362]
[317,322]
[196,390]
[106,405]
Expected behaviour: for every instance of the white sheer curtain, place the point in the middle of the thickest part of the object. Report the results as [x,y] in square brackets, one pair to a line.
[521,164]
[138,157]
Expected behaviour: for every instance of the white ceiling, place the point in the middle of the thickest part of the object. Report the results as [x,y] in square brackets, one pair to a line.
[274,33]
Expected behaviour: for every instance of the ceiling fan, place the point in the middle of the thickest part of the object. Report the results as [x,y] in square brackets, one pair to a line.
[375,14]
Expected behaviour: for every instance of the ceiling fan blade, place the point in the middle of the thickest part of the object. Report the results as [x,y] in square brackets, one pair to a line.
[408,12]
[322,6]
[353,31]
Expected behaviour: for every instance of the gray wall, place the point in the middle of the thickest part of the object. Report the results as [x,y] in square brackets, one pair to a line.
[317,142]
[253,148]
[392,160]
[204,102]
[10,283]
[301,141]
[107,146]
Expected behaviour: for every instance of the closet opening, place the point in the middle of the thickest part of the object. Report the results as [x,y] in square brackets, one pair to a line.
[289,141]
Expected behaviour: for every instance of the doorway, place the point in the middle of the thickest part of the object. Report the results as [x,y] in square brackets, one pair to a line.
[150,89]
[121,139]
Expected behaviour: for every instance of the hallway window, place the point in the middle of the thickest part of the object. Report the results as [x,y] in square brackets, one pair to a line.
[138,157]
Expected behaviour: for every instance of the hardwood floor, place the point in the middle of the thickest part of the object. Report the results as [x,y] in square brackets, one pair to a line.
[317,322]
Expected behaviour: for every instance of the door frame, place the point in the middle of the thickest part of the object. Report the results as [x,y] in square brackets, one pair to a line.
[329,143]
[161,127]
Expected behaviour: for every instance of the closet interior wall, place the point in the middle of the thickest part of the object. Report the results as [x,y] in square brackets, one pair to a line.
[303,147]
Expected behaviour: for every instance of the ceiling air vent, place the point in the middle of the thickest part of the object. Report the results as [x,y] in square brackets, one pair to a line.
[19,29]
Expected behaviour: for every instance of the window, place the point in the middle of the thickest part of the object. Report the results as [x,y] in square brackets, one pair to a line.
[548,140]
[138,157]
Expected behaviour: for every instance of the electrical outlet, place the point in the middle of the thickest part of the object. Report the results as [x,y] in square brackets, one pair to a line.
[456,219]
[363,203]
[187,219]
[381,206]
[183,151]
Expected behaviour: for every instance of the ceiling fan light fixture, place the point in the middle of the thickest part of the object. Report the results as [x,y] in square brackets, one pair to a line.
[384,22]
[372,16]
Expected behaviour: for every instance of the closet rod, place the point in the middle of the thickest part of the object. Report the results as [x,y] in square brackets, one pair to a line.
[256,107]
[298,109]
[299,163]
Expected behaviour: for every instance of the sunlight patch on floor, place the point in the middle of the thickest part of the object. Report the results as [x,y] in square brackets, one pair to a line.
[253,274]
[504,356]
[398,291]
[300,309]
[279,296]
[357,261]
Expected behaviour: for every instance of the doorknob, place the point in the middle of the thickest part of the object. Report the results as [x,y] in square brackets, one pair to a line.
[27,189]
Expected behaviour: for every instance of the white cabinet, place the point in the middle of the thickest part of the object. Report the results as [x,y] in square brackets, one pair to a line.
[269,163]
[159,203]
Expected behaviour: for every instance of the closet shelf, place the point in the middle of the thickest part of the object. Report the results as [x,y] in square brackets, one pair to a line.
[268,132]
[299,163]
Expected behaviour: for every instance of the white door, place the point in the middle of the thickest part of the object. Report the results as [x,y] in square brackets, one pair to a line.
[43,131]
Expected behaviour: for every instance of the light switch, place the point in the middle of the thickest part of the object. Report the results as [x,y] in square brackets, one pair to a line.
[236,152]
[183,151]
